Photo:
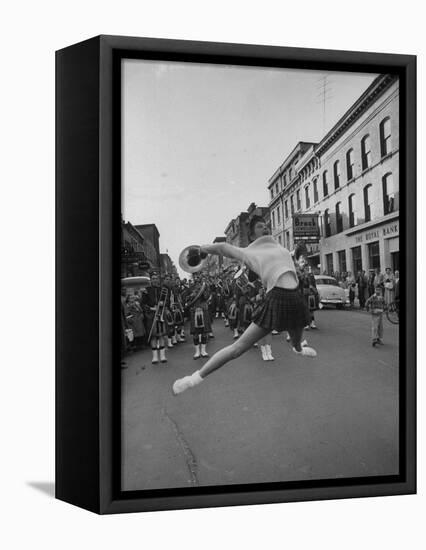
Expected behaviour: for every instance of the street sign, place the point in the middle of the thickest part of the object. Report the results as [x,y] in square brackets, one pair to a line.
[305,225]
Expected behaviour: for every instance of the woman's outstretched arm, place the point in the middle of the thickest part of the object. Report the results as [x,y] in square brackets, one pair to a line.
[224,249]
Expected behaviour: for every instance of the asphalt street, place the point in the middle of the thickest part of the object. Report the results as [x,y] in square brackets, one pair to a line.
[252,421]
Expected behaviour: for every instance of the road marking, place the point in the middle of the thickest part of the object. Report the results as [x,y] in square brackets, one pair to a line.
[191,461]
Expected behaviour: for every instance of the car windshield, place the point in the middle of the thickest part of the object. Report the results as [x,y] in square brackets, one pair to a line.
[331,282]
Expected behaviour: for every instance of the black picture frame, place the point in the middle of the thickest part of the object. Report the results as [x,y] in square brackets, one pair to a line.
[87,264]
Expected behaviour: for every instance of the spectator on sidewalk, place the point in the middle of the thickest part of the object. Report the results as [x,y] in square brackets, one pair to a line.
[389,283]
[376,304]
[361,281]
[378,279]
[135,320]
[350,280]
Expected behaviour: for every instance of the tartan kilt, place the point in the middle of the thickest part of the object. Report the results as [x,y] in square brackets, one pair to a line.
[283,309]
[206,319]
[159,328]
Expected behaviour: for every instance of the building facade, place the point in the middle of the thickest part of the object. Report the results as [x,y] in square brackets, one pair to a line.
[152,243]
[134,259]
[351,180]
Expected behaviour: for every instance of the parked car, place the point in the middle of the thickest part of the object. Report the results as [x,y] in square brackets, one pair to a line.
[330,293]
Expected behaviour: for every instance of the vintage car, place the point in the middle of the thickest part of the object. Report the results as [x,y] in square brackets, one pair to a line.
[330,293]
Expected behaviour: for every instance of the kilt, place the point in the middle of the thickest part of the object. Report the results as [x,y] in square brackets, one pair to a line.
[206,321]
[283,309]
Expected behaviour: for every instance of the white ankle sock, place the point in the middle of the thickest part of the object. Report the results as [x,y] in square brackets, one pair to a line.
[196,378]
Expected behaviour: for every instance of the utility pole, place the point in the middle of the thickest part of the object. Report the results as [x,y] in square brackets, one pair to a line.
[324,90]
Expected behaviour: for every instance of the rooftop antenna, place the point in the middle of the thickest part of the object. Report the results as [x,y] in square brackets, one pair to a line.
[324,94]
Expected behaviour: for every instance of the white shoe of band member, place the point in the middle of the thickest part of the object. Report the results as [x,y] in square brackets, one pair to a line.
[226,323]
[304,343]
[307,351]
[169,343]
[163,357]
[275,332]
[203,351]
[263,351]
[154,356]
[217,315]
[197,352]
[186,382]
[269,353]
[288,337]
[174,340]
[313,325]
[236,335]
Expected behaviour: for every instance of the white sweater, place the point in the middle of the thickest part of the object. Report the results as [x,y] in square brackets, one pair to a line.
[268,259]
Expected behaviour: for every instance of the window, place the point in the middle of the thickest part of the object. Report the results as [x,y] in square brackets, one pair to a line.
[352,212]
[280,240]
[341,255]
[367,203]
[278,216]
[356,259]
[350,164]
[272,192]
[329,263]
[276,188]
[336,172]
[325,183]
[273,219]
[327,225]
[374,255]
[307,199]
[292,204]
[385,137]
[286,209]
[339,218]
[287,239]
[290,171]
[365,152]
[388,194]
[298,201]
[315,190]
[285,180]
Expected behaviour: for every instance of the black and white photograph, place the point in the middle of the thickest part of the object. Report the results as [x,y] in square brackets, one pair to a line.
[260,275]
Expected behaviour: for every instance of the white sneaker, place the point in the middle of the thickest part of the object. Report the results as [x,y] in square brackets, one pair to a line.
[288,337]
[304,343]
[307,351]
[186,382]
[275,332]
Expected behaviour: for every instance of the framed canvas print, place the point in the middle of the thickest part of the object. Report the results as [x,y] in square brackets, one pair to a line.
[236,288]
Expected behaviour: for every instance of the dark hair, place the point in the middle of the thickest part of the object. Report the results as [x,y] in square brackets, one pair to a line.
[300,250]
[253,222]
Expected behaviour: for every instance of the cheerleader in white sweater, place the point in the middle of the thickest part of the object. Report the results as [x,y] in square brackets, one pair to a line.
[283,309]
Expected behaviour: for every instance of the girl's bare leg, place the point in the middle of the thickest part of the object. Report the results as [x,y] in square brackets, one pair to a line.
[249,337]
[221,357]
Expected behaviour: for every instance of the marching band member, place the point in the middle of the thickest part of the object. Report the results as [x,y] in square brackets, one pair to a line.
[199,318]
[155,299]
[283,309]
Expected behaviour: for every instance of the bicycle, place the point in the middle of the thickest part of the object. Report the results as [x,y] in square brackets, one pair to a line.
[392,313]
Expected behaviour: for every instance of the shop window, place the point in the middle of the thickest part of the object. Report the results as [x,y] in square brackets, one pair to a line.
[356,259]
[341,254]
[329,263]
[388,194]
[374,255]
[385,137]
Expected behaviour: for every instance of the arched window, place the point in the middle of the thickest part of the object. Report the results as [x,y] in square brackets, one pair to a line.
[307,198]
[315,191]
[352,211]
[385,137]
[286,209]
[292,204]
[388,194]
[367,202]
[273,219]
[365,152]
[327,225]
[278,215]
[350,164]
[339,218]
[325,183]
[298,201]
[336,171]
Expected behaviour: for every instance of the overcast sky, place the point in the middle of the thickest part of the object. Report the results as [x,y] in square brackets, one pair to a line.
[201,141]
